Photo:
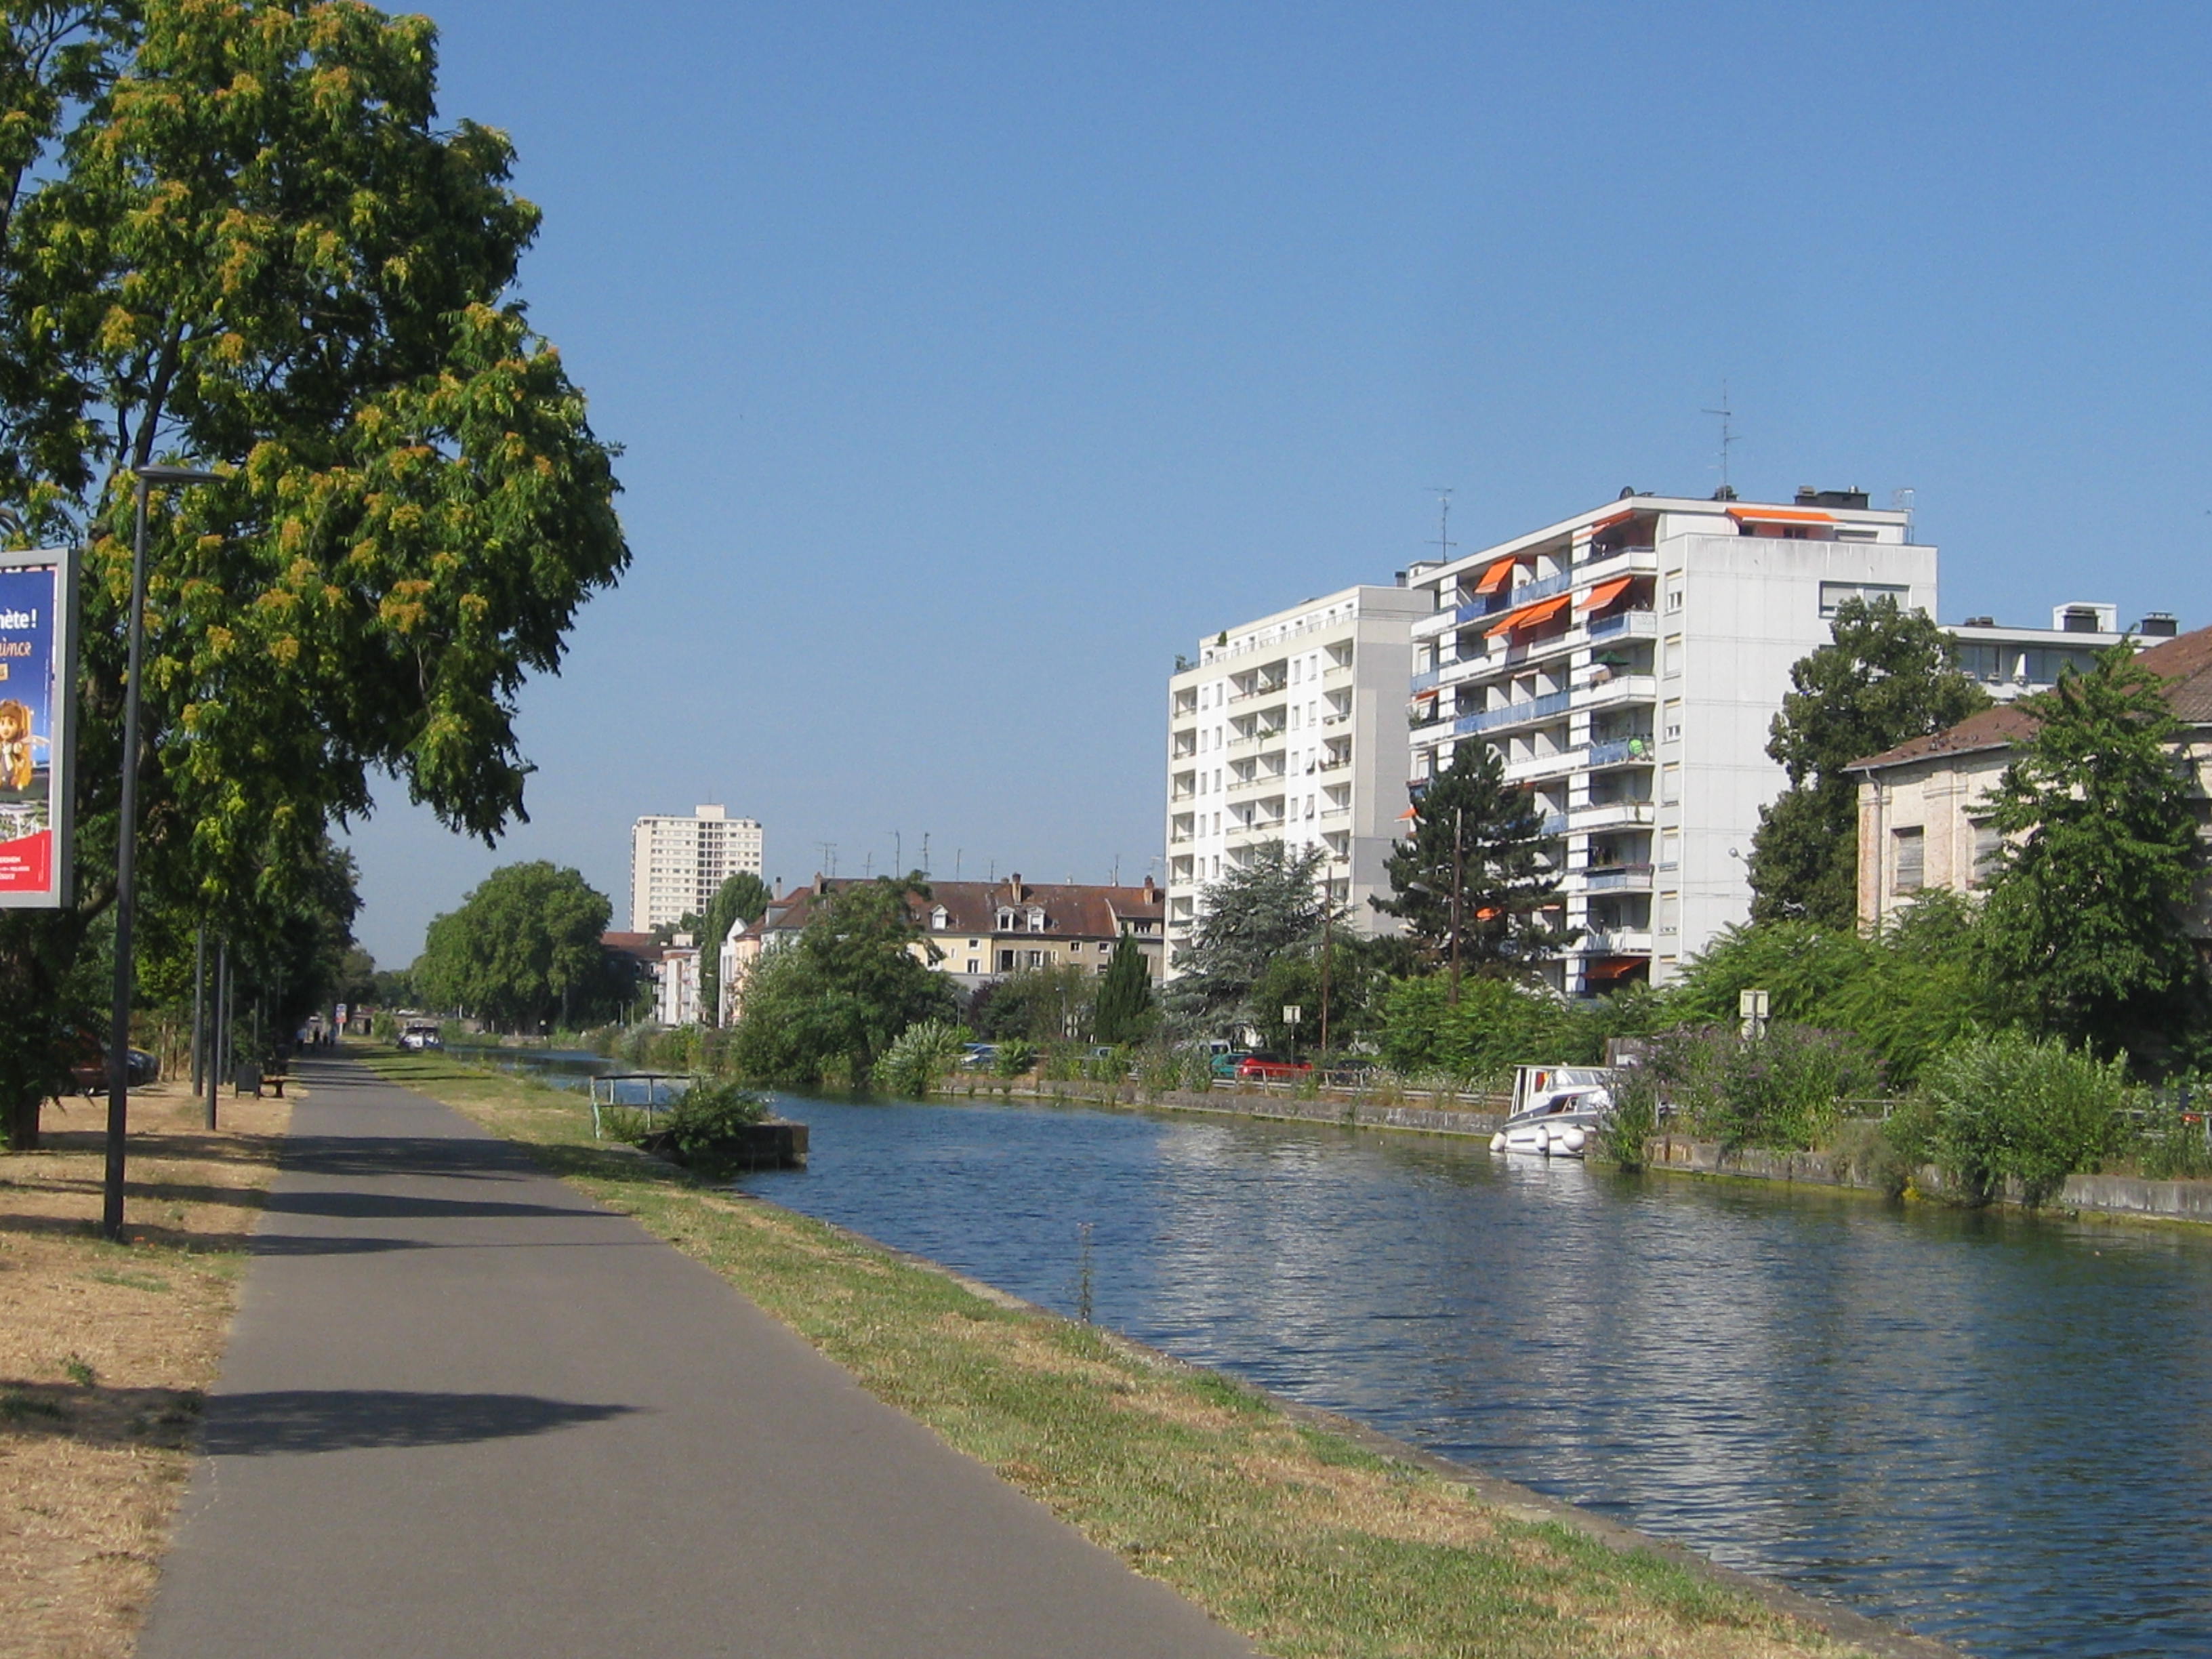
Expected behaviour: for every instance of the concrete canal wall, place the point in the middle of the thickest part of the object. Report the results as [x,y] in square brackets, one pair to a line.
[2111,1195]
[1464,1119]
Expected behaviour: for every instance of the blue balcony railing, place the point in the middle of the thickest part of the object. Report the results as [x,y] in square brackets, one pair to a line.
[1512,714]
[1621,750]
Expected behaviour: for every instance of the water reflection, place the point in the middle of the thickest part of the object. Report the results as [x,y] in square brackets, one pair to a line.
[1987,1426]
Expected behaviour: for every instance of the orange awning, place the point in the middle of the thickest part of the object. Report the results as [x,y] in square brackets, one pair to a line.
[1495,577]
[1779,515]
[1612,518]
[1604,593]
[1609,967]
[1528,616]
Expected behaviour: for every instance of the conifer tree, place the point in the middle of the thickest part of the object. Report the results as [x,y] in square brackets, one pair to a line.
[1472,881]
[1124,1010]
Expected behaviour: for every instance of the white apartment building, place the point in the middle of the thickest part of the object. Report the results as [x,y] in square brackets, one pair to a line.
[2011,662]
[1291,729]
[678,864]
[1627,663]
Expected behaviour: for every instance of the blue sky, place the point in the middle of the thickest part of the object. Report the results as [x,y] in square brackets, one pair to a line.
[971,360]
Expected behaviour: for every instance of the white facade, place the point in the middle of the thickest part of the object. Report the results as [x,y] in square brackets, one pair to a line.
[1291,729]
[677,865]
[2012,662]
[676,983]
[1627,664]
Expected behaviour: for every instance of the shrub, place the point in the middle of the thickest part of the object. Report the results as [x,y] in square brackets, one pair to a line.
[1784,1090]
[1623,1140]
[2171,1142]
[2010,1105]
[706,1129]
[921,1057]
[1015,1057]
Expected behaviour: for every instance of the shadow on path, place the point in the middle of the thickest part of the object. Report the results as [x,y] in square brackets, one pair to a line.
[347,1420]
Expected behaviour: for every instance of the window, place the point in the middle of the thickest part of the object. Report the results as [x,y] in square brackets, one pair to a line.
[1036,919]
[1673,597]
[1989,848]
[1670,848]
[1832,594]
[973,966]
[1006,920]
[1670,781]
[1074,945]
[1670,660]
[1033,958]
[1005,961]
[1673,728]
[1908,858]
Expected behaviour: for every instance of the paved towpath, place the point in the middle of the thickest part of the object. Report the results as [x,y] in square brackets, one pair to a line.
[465,1412]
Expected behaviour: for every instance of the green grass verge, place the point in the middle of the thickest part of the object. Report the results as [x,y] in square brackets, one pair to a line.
[1301,1539]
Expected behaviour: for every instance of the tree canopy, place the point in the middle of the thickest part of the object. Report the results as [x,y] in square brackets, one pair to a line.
[1885,677]
[743,896]
[1248,918]
[1471,880]
[828,1006]
[235,231]
[2083,926]
[523,950]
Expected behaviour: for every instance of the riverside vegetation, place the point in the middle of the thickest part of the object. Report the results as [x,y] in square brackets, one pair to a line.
[1303,1539]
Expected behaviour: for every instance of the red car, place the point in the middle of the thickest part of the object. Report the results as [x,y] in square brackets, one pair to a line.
[1271,1068]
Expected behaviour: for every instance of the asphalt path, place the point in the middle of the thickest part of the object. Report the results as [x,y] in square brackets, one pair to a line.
[466,1412]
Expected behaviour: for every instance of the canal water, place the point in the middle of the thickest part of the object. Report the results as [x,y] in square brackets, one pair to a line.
[1992,1428]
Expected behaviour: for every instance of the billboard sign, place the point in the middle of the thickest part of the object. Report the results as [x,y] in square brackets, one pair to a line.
[38,695]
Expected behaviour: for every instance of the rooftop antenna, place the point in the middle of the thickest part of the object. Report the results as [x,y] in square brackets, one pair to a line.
[1729,439]
[1117,869]
[898,853]
[1444,542]
[829,854]
[868,866]
[925,852]
[956,853]
[1901,500]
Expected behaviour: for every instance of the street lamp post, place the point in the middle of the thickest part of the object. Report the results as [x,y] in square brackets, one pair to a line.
[126,859]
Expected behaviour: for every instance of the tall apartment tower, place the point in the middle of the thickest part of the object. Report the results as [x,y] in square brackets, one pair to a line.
[1291,729]
[676,865]
[1627,664]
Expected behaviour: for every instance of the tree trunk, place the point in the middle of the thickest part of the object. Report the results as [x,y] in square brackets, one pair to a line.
[21,1123]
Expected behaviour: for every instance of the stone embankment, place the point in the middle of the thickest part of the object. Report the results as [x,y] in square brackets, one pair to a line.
[1464,1117]
[2109,1195]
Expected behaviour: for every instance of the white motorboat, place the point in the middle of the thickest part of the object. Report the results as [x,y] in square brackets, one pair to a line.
[1557,1110]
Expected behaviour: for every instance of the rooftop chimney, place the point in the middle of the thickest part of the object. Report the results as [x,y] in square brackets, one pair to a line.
[2157,625]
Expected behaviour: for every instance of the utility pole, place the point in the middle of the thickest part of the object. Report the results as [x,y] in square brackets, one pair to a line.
[1459,886]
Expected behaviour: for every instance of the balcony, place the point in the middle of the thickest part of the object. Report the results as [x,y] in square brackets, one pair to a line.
[1621,751]
[1334,671]
[1553,823]
[1615,878]
[1618,562]
[1625,688]
[1427,681]
[1530,712]
[1334,763]
[1332,814]
[1272,688]
[1258,781]
[1615,942]
[1610,814]
[1625,625]
[1535,769]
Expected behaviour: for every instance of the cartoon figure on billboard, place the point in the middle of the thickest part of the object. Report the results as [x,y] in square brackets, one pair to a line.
[16,742]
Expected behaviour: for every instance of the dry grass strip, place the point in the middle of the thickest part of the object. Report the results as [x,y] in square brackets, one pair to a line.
[1308,1543]
[106,1351]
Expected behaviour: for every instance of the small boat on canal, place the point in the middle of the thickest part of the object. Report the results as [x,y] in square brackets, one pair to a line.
[1557,1110]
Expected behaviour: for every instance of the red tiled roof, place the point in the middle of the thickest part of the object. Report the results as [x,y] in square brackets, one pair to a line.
[2185,663]
[1072,909]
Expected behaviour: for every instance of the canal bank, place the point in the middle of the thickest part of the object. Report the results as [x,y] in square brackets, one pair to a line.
[2118,1195]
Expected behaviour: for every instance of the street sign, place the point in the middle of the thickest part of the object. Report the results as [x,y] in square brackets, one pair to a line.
[38,700]
[1292,1011]
[1751,1008]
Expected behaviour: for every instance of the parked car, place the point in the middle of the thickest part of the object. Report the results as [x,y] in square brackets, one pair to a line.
[89,1066]
[1226,1062]
[978,1056]
[1271,1068]
[421,1034]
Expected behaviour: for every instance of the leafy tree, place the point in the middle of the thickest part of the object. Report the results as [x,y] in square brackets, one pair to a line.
[1885,678]
[1123,1012]
[1246,919]
[2083,926]
[743,896]
[1472,882]
[522,950]
[233,230]
[831,1004]
[1039,1005]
